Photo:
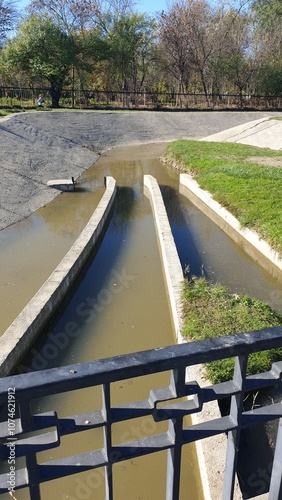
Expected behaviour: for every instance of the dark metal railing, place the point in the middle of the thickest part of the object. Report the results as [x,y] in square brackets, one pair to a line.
[172,403]
[26,98]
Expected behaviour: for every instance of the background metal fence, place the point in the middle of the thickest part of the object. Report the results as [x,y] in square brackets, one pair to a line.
[25,435]
[26,98]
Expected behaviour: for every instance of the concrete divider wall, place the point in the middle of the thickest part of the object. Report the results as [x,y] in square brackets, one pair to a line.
[171,263]
[20,335]
[211,452]
[248,240]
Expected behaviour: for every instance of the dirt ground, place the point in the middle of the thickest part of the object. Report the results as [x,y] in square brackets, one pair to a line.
[267,162]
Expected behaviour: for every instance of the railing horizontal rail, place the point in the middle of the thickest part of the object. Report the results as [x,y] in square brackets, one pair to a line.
[31,434]
[21,97]
[140,363]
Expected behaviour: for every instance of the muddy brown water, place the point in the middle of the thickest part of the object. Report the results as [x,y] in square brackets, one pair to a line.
[120,305]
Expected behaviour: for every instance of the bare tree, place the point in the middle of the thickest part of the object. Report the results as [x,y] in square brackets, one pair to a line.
[83,14]
[187,38]
[201,32]
[174,27]
[8,18]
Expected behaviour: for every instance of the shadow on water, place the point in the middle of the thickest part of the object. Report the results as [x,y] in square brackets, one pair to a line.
[124,206]
[183,236]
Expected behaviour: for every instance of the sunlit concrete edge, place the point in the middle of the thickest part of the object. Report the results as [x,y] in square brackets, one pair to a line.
[171,264]
[258,249]
[20,335]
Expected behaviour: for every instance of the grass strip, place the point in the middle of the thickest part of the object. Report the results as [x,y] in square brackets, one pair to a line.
[210,311]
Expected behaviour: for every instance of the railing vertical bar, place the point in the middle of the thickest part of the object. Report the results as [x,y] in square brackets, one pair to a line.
[107,430]
[275,489]
[236,409]
[33,477]
[175,426]
[25,415]
[177,381]
[31,461]
[174,461]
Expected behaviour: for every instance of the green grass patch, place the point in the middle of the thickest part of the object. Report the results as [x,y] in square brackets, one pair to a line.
[246,180]
[210,311]
[6,112]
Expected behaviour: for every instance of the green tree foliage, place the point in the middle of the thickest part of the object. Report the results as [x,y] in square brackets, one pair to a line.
[194,46]
[268,11]
[270,79]
[43,50]
[130,40]
[268,17]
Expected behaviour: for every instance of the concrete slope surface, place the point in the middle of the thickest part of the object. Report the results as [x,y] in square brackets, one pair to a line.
[264,133]
[37,147]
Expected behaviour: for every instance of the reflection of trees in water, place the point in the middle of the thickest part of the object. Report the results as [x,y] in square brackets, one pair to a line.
[173,206]
[69,213]
[123,208]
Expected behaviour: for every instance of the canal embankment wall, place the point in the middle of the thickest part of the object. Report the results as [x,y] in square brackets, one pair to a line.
[20,335]
[258,249]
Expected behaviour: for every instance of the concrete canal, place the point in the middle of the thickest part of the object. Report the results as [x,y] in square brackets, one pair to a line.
[120,304]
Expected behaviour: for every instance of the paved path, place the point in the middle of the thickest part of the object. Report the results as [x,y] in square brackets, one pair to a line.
[37,147]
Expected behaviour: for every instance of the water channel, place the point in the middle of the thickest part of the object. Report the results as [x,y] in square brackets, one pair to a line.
[120,305]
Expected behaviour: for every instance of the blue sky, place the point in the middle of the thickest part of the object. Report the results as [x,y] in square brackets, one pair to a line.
[150,6]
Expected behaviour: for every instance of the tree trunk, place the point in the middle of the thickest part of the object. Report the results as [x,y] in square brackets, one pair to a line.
[205,87]
[55,93]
